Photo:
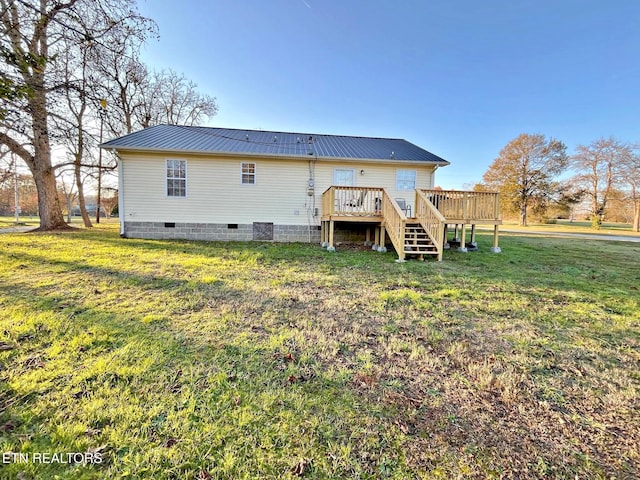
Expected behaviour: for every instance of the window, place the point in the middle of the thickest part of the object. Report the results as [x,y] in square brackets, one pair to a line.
[176,178]
[248,173]
[405,180]
[344,177]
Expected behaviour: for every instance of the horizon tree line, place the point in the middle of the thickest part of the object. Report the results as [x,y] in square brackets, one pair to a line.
[534,173]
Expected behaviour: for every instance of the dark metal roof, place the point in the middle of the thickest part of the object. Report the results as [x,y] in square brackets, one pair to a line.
[174,138]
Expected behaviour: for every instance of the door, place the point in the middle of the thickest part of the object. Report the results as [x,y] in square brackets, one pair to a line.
[345,177]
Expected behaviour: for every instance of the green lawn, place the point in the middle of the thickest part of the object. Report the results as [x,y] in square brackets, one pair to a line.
[193,360]
[565,226]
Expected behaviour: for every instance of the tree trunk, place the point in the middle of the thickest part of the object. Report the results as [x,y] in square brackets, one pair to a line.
[49,208]
[636,216]
[83,208]
[523,214]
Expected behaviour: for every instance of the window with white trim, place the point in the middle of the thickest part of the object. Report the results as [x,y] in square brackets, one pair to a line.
[176,178]
[248,174]
[405,180]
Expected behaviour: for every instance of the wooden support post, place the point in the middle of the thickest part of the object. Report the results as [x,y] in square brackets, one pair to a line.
[473,234]
[376,240]
[463,239]
[367,238]
[331,247]
[383,234]
[455,235]
[445,239]
[495,248]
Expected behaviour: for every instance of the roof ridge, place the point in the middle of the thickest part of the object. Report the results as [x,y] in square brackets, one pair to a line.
[202,127]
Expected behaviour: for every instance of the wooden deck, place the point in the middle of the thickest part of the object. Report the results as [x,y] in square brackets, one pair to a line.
[425,233]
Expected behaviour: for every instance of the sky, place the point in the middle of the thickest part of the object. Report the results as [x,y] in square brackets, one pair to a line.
[460,78]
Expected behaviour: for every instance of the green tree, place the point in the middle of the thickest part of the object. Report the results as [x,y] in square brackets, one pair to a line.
[524,172]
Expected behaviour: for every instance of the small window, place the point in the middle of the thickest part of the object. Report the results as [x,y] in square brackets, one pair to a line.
[176,178]
[248,173]
[405,180]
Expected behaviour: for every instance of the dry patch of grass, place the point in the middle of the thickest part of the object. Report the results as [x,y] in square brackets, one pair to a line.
[210,360]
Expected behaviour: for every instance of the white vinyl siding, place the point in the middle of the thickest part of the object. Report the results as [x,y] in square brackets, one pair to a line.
[176,178]
[405,180]
[216,195]
[248,174]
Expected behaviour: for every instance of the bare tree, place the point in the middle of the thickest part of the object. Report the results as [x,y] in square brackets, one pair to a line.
[172,98]
[631,177]
[524,172]
[34,36]
[598,168]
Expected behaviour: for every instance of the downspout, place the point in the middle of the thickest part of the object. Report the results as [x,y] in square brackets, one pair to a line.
[120,192]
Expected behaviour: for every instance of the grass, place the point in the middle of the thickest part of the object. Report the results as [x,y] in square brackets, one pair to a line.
[172,359]
[565,226]
[7,222]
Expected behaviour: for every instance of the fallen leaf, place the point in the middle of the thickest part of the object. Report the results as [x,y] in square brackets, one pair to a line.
[292,379]
[6,346]
[301,467]
[7,427]
[169,442]
[99,449]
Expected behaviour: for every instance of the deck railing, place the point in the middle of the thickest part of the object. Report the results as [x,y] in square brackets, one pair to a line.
[465,207]
[352,201]
[431,220]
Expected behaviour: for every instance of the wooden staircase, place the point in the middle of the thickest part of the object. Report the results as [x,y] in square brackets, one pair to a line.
[416,240]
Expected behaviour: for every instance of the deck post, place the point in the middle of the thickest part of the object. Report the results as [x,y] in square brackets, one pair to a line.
[456,238]
[383,234]
[323,234]
[473,242]
[367,238]
[331,247]
[495,248]
[376,241]
[463,238]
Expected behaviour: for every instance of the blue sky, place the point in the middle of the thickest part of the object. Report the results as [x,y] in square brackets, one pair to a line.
[459,78]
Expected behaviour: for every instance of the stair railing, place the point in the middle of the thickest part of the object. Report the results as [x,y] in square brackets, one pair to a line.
[395,222]
[431,220]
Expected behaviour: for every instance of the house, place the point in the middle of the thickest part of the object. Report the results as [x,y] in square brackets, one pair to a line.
[208,183]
